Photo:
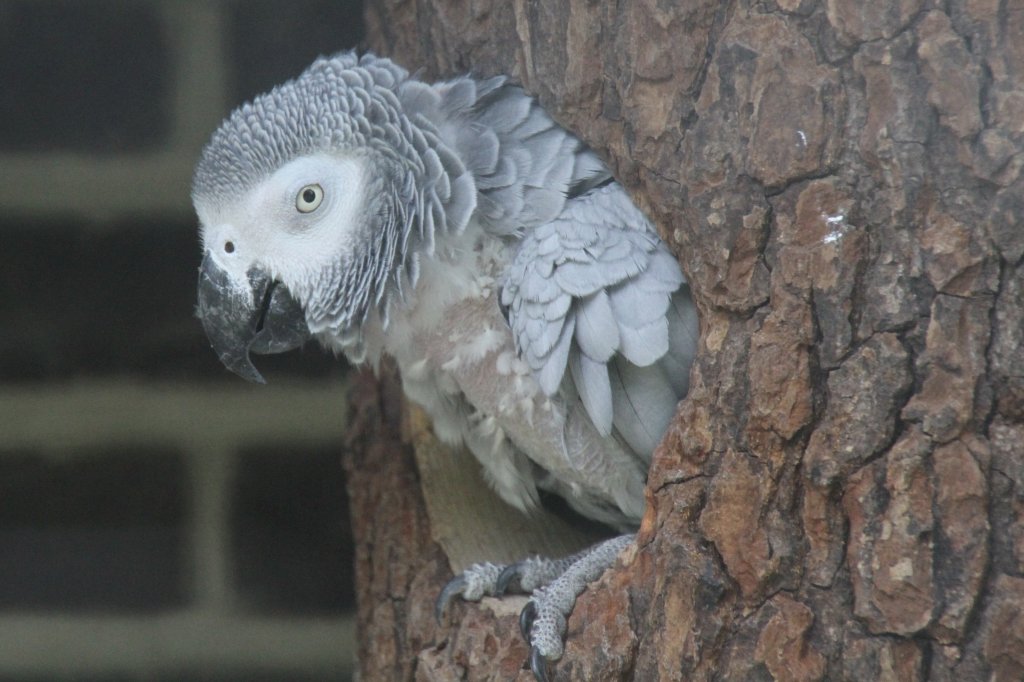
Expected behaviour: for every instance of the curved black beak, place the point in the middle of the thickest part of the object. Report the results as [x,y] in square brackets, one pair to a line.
[258,316]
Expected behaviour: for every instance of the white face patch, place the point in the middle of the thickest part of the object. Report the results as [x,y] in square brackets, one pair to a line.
[293,224]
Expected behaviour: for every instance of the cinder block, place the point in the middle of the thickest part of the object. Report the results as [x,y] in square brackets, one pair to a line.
[270,42]
[291,542]
[94,531]
[82,76]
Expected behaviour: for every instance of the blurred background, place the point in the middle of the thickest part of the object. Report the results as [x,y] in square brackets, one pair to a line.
[159,518]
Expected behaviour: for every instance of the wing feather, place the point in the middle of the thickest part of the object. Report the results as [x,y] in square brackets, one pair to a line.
[549,376]
[596,303]
[683,332]
[644,402]
[525,165]
[597,332]
[595,390]
[645,345]
[599,310]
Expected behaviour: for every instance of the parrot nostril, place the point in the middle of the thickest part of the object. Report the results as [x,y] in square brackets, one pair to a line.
[229,247]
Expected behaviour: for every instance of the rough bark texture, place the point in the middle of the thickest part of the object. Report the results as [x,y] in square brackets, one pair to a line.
[842,494]
[397,564]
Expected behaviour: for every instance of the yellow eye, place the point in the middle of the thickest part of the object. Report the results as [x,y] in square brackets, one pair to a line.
[309,198]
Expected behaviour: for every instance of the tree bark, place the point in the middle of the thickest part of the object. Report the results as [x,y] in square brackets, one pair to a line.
[841,496]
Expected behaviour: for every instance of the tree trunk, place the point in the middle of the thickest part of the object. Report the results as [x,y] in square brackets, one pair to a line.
[841,496]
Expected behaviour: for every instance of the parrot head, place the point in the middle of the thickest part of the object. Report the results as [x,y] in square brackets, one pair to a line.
[310,201]
[267,250]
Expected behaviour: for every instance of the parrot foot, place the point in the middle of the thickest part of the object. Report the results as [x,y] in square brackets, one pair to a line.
[544,617]
[554,583]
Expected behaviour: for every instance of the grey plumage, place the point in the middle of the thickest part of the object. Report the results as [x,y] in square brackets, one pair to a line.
[530,306]
[589,291]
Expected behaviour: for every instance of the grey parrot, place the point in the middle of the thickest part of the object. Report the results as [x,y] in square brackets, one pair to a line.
[530,307]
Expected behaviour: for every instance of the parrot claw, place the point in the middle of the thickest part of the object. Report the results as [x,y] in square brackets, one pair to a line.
[538,664]
[473,584]
[526,618]
[454,586]
[505,578]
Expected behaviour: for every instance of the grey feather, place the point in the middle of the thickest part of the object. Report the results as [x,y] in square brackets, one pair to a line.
[683,334]
[633,307]
[602,255]
[597,332]
[644,402]
[644,345]
[591,379]
[549,370]
[484,156]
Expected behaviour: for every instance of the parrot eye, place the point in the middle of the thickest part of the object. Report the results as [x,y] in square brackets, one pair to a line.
[309,198]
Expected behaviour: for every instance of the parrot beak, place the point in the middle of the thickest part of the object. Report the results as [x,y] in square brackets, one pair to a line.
[261,318]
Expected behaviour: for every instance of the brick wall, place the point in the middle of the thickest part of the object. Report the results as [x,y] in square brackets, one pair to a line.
[159,518]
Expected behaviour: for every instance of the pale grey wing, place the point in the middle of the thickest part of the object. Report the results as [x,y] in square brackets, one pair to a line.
[599,308]
[526,167]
